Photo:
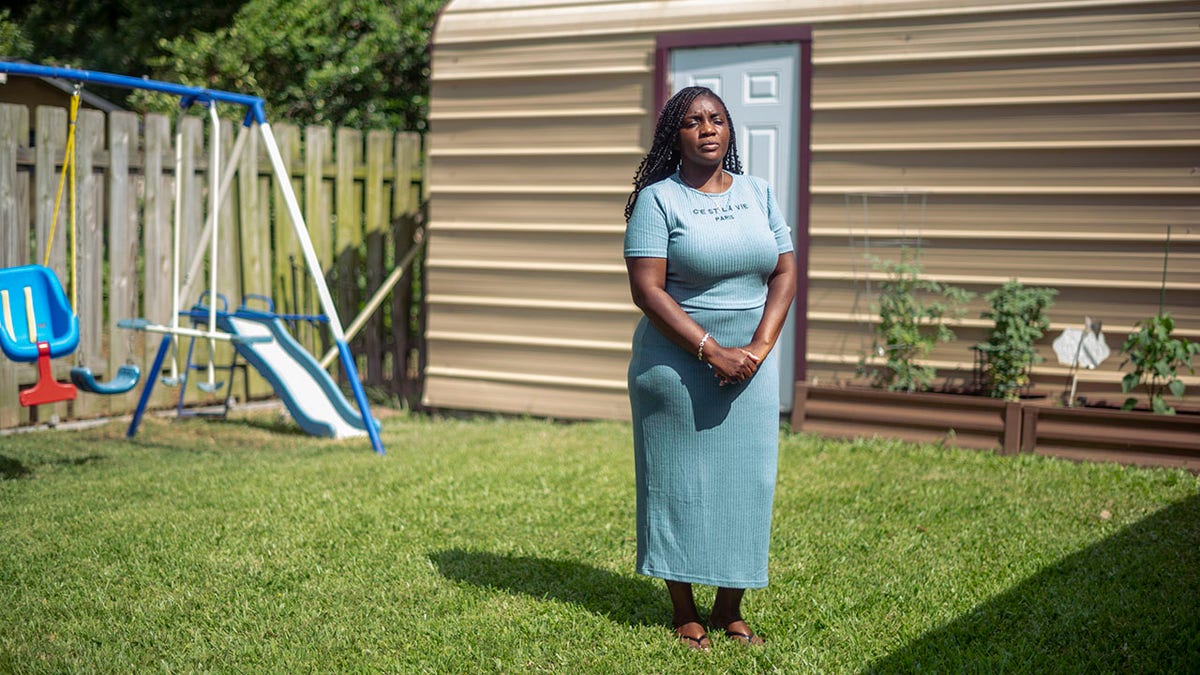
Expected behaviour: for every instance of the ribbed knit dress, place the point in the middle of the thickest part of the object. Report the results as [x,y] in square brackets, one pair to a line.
[705,455]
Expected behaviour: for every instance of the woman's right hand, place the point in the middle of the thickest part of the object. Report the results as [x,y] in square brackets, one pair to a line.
[730,365]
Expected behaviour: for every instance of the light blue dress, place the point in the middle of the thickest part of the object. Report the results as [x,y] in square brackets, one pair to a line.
[706,455]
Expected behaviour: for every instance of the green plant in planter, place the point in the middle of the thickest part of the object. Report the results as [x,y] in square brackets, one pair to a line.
[1156,358]
[912,315]
[1019,320]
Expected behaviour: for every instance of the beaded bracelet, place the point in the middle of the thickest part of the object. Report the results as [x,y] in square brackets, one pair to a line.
[700,351]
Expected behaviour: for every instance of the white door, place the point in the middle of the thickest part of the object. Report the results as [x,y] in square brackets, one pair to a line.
[759,84]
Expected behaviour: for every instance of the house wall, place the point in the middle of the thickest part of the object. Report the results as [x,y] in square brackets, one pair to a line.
[1050,142]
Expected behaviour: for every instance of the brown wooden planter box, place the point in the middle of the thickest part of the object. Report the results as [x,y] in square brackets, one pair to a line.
[961,420]
[1112,435]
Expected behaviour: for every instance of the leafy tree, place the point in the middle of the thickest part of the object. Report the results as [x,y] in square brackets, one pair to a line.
[361,64]
[13,43]
[118,36]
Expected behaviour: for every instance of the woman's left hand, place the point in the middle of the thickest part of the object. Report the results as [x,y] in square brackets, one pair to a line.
[757,350]
[730,364]
[753,351]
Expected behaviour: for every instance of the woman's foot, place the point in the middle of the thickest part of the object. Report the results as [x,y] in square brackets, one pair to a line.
[738,631]
[692,635]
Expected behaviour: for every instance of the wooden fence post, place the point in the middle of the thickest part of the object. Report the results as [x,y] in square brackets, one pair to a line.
[14,231]
[88,300]
[229,270]
[378,207]
[254,216]
[51,141]
[228,248]
[406,218]
[14,235]
[192,211]
[122,249]
[349,234]
[287,296]
[317,217]
[157,229]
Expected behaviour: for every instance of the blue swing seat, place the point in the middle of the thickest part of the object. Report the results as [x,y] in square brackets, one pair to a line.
[126,378]
[33,309]
[37,324]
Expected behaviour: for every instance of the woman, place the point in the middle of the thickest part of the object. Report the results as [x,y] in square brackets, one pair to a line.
[711,267]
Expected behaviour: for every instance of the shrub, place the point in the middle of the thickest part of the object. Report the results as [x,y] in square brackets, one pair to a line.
[1019,320]
[1157,359]
[912,315]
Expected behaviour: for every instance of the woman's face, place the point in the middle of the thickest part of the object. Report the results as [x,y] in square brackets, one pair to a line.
[704,133]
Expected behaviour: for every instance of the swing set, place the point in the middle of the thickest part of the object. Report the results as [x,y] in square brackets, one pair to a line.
[48,326]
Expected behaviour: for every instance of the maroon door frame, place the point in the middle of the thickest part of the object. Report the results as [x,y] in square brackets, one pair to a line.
[802,35]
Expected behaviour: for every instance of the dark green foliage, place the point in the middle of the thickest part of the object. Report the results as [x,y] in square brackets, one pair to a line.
[912,315]
[1019,320]
[1156,358]
[361,64]
[14,44]
[118,36]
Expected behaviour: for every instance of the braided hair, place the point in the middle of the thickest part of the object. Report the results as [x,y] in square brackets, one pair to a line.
[663,158]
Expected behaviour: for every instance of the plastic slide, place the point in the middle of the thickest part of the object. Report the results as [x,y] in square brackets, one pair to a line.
[310,394]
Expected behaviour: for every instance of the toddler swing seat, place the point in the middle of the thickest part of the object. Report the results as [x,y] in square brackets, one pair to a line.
[38,325]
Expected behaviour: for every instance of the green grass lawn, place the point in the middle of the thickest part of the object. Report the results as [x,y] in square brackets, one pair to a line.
[489,545]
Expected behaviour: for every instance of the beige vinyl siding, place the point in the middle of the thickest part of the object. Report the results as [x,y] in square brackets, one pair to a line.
[1048,141]
[531,152]
[1052,146]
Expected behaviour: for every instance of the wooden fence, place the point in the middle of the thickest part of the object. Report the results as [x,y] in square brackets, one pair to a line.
[361,194]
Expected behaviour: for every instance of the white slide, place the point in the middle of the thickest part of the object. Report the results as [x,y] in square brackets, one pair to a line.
[310,394]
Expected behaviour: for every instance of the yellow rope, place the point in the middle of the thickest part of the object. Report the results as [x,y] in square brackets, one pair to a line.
[74,244]
[68,166]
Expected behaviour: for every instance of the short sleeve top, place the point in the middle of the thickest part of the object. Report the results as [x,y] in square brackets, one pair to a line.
[720,247]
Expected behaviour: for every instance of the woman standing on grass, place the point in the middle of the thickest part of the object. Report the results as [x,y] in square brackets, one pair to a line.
[710,265]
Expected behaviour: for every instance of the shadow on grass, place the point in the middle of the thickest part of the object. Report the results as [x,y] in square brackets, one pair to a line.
[1130,603]
[629,600]
[11,469]
[78,461]
[276,425]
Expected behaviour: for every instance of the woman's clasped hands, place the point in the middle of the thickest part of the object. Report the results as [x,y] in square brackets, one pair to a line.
[732,365]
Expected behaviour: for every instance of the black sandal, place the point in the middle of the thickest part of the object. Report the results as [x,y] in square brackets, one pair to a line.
[696,644]
[693,643]
[744,638]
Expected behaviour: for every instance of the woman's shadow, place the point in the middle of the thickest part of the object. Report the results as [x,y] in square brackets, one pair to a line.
[630,600]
